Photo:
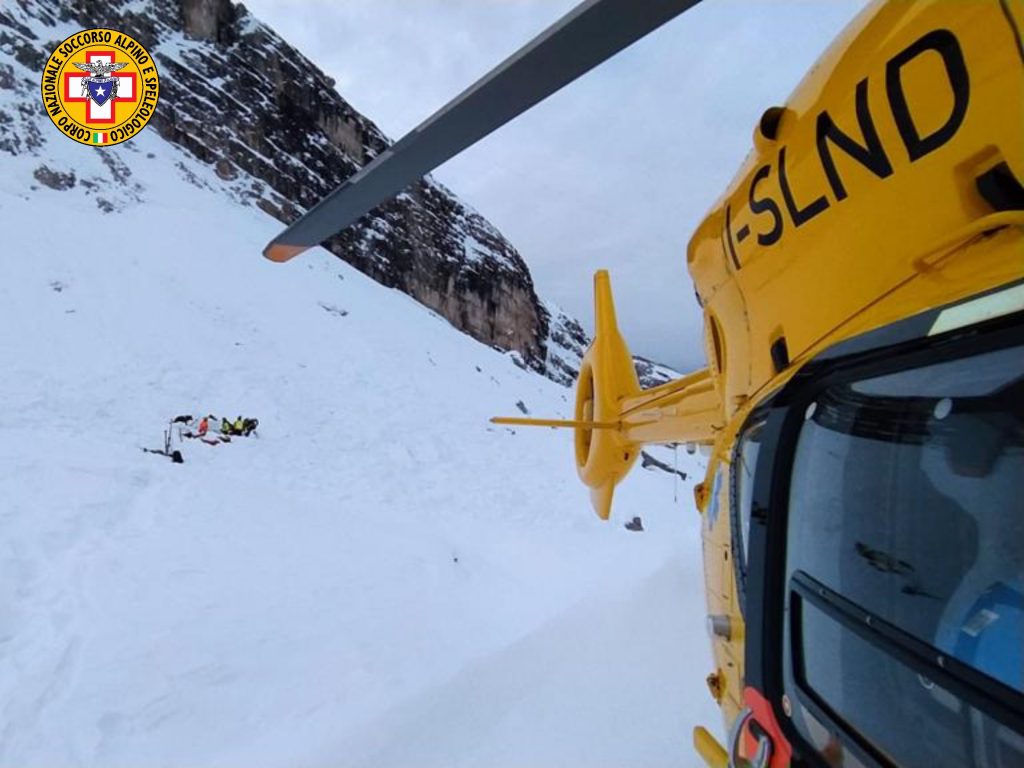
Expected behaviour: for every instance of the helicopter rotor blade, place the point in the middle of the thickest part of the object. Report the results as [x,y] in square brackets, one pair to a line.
[515,421]
[588,35]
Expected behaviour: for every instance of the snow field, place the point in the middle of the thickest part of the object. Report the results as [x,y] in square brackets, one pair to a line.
[380,578]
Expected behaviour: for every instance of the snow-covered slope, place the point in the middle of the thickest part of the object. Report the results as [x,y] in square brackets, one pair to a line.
[380,578]
[261,124]
[240,101]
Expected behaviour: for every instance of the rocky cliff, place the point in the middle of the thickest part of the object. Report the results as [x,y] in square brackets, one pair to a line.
[237,97]
[568,342]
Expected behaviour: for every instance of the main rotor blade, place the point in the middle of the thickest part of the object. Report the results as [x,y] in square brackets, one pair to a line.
[516,421]
[589,34]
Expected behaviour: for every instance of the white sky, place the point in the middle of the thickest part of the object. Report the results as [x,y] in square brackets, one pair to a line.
[614,171]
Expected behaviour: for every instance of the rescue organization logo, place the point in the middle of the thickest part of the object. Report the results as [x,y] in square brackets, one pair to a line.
[100,87]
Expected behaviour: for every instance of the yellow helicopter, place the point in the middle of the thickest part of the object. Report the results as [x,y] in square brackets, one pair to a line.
[862,284]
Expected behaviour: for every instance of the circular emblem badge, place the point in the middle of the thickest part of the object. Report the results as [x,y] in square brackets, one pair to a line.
[100,87]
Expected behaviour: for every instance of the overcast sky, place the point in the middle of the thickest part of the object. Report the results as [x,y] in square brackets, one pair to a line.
[616,170]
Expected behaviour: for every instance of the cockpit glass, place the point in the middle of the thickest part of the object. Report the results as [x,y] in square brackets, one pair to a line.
[906,499]
[742,471]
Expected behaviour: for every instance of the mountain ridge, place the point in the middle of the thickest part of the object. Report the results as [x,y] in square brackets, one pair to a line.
[284,138]
[236,97]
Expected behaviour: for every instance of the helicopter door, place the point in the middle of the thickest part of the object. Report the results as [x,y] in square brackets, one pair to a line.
[886,625]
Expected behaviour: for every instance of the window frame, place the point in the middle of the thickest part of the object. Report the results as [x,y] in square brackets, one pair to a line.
[991,697]
[766,584]
[740,546]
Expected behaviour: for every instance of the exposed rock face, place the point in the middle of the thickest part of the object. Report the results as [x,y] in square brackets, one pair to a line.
[237,97]
[54,179]
[208,19]
[652,374]
[567,343]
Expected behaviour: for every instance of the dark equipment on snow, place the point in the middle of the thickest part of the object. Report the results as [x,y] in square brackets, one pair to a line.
[175,456]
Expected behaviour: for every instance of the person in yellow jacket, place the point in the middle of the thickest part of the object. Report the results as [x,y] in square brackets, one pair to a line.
[239,426]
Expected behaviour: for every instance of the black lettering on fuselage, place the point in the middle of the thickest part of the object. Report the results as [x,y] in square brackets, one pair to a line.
[765,205]
[943,42]
[799,216]
[868,150]
[871,155]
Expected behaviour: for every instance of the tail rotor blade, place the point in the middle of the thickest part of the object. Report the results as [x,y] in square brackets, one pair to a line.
[588,35]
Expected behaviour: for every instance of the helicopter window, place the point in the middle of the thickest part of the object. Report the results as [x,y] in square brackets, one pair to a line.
[715,499]
[716,343]
[744,463]
[908,718]
[905,505]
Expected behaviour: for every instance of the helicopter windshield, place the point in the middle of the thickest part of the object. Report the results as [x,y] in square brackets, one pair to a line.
[906,539]
[742,474]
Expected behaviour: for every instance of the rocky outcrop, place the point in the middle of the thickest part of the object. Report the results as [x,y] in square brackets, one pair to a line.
[238,98]
[566,344]
[652,374]
[54,179]
[211,20]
